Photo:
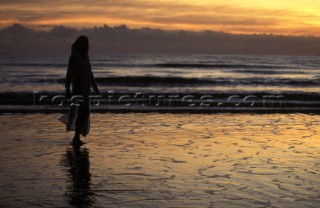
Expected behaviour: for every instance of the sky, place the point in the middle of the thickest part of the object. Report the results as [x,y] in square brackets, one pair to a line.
[284,17]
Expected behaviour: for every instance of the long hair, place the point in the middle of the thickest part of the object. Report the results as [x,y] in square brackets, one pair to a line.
[81,46]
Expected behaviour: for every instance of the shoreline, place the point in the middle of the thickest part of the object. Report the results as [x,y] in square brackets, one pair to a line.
[162,110]
[259,103]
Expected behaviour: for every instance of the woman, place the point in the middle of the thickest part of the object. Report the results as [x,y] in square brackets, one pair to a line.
[80,75]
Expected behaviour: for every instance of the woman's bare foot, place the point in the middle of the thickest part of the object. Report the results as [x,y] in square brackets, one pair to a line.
[76,142]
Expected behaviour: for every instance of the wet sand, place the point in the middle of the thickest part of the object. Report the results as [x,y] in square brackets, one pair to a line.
[162,160]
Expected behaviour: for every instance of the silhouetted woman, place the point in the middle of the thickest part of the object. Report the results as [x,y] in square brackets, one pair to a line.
[80,75]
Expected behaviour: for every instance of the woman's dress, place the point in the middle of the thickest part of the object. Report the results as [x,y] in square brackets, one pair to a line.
[80,75]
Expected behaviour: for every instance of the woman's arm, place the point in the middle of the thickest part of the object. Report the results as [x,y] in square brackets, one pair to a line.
[93,83]
[69,75]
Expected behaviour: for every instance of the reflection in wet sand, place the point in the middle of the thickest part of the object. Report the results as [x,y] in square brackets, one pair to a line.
[79,178]
[162,160]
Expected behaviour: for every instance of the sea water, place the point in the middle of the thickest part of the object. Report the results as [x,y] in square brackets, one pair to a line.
[285,76]
[167,73]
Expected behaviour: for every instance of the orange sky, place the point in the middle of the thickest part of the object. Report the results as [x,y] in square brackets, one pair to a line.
[288,17]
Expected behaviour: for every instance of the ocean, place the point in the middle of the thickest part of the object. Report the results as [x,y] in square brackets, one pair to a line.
[294,78]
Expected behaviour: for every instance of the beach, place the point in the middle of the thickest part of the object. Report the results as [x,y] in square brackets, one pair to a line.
[162,160]
[167,130]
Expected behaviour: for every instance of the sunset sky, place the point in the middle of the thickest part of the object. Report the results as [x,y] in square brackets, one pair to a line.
[287,17]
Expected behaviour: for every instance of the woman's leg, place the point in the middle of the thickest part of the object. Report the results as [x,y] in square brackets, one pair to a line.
[79,124]
[83,113]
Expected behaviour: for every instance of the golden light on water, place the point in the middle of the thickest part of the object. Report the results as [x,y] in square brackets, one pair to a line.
[180,160]
[235,16]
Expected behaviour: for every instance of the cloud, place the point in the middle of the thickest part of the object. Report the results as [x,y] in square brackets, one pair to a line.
[121,39]
[233,16]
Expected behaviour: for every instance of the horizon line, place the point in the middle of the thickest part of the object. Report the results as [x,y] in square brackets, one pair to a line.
[50,28]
